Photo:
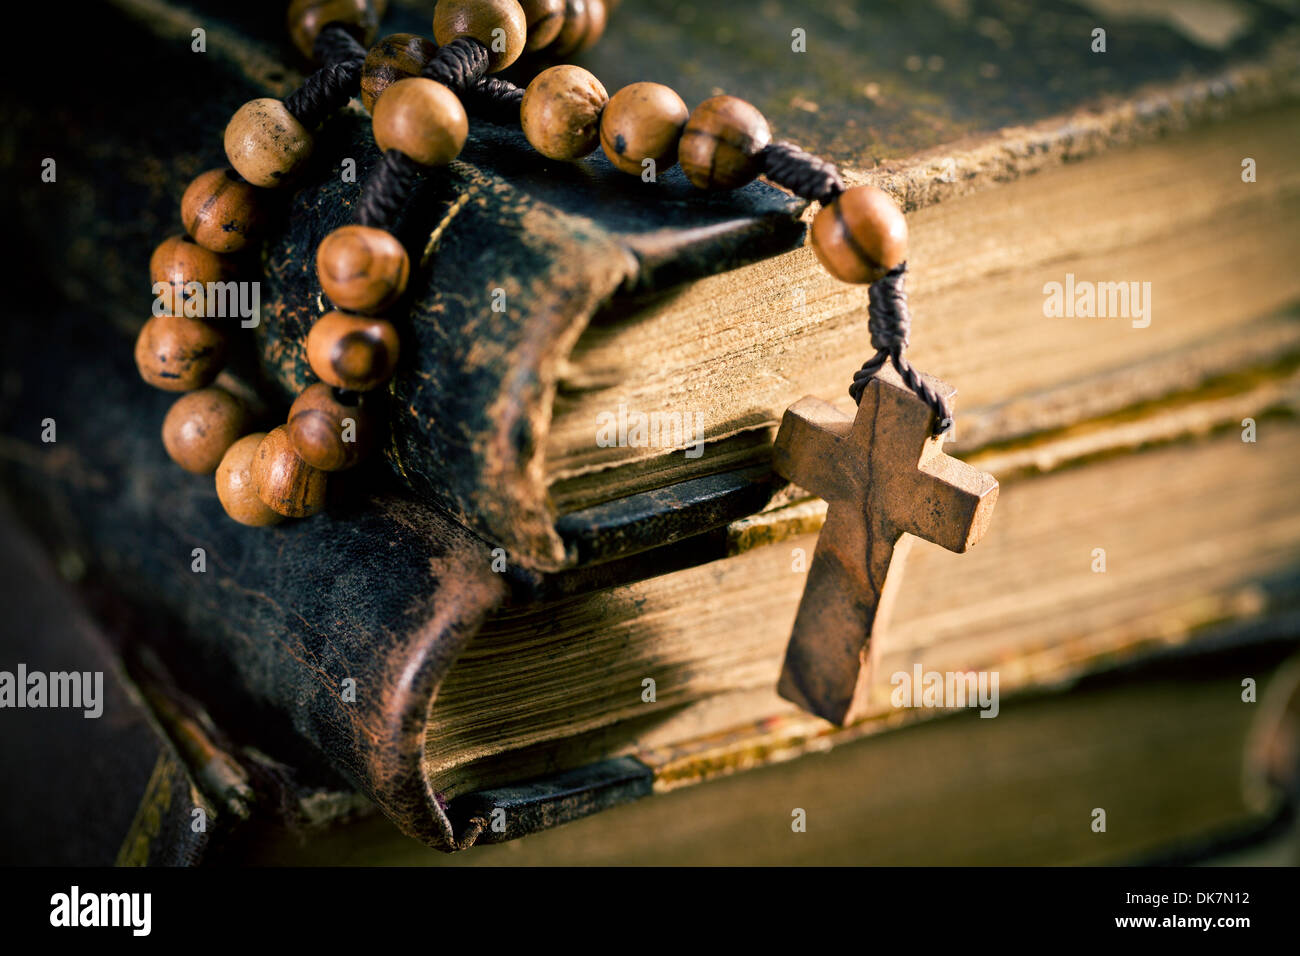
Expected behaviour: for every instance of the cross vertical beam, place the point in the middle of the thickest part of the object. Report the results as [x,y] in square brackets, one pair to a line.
[885,478]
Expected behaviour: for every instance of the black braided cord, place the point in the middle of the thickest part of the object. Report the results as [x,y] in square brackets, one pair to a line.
[495,100]
[330,87]
[890,324]
[387,190]
[801,172]
[336,44]
[459,65]
[889,320]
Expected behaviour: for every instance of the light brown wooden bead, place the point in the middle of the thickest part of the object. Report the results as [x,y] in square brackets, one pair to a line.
[861,235]
[351,351]
[397,57]
[584,25]
[721,143]
[642,121]
[362,269]
[201,426]
[544,18]
[220,211]
[179,354]
[328,434]
[178,261]
[423,119]
[265,142]
[479,19]
[285,483]
[235,484]
[560,112]
[307,17]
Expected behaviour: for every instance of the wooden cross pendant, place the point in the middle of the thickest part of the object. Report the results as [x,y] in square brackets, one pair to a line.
[885,477]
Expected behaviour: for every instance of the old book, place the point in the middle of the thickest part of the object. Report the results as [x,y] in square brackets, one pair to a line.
[440,693]
[326,642]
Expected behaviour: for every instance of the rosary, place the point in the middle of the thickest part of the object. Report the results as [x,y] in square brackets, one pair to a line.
[883,471]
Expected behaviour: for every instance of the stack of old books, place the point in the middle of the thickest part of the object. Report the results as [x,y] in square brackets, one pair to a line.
[570,582]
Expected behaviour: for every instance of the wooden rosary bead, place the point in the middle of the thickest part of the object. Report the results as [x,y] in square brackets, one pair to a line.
[179,354]
[544,19]
[352,352]
[201,426]
[265,142]
[861,235]
[397,57]
[560,112]
[328,434]
[642,121]
[584,25]
[285,483]
[235,484]
[307,17]
[482,19]
[220,211]
[362,269]
[721,143]
[423,119]
[176,262]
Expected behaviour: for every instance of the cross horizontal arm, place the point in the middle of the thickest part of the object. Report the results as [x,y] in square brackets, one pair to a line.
[808,447]
[951,503]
